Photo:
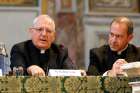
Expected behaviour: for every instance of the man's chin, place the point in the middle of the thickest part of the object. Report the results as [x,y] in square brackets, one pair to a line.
[44,46]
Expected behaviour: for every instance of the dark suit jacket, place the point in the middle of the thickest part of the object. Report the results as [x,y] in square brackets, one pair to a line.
[102,59]
[26,54]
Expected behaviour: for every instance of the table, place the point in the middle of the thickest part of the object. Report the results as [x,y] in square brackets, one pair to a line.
[88,84]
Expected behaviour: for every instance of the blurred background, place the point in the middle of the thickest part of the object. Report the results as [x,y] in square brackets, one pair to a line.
[80,24]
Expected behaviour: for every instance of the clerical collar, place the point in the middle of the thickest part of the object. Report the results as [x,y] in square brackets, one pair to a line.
[42,51]
[119,52]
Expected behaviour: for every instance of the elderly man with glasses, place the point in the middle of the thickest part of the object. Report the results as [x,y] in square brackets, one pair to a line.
[36,56]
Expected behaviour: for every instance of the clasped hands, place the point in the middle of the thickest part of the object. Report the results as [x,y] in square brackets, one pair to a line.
[116,68]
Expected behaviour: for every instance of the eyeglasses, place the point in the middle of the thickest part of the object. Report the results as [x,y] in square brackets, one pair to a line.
[41,29]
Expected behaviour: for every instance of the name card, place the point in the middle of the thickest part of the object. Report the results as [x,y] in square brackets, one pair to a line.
[58,72]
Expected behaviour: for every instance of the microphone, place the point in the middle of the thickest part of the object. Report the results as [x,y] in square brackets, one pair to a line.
[3,50]
[18,71]
[3,55]
[46,69]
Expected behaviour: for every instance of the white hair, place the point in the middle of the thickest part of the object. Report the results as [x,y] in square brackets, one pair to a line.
[47,18]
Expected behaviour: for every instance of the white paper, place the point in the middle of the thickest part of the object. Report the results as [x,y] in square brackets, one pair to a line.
[135,86]
[131,65]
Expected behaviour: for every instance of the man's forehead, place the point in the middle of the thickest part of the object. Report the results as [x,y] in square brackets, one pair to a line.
[45,24]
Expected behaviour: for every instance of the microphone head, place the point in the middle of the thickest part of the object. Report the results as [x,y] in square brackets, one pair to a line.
[3,50]
[18,71]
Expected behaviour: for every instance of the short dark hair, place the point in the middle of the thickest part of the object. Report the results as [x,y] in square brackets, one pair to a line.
[125,20]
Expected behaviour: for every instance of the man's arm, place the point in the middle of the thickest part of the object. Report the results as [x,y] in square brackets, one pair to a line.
[17,60]
[94,64]
[17,57]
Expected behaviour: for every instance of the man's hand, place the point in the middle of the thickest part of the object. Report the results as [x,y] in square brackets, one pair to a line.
[35,70]
[116,69]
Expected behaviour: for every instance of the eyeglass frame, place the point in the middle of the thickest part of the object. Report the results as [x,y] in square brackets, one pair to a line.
[41,29]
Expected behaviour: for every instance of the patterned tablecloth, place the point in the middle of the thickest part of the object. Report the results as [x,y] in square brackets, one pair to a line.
[89,84]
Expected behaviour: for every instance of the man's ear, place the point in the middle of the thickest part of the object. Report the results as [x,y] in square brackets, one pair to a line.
[130,37]
[54,36]
[30,30]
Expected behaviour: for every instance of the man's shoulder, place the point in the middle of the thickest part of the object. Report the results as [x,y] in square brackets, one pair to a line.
[23,42]
[58,48]
[134,48]
[22,45]
[100,49]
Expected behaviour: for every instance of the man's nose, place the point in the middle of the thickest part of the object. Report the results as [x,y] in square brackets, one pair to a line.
[44,32]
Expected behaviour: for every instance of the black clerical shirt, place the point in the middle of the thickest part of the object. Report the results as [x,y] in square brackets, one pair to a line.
[103,58]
